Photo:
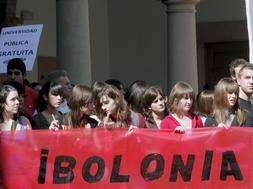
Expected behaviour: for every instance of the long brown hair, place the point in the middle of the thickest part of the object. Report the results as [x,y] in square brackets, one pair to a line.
[148,98]
[122,111]
[4,92]
[96,88]
[179,91]
[221,105]
[81,96]
[205,102]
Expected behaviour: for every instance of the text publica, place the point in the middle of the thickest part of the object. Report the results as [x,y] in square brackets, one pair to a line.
[16,43]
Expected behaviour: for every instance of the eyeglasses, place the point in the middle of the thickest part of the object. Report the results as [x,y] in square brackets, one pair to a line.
[15,73]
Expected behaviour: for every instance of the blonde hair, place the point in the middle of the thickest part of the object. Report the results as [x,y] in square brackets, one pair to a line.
[246,66]
[221,105]
[179,91]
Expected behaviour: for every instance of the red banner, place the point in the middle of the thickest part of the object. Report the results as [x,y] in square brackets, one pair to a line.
[116,158]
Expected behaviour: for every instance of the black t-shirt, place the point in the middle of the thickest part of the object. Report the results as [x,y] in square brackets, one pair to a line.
[246,105]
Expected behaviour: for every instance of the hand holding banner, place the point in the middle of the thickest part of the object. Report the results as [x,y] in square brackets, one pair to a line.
[113,158]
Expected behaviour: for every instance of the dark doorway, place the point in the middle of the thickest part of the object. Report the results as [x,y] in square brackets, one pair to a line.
[219,55]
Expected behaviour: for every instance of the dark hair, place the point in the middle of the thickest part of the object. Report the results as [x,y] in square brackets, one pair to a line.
[16,85]
[17,63]
[80,96]
[205,102]
[48,87]
[209,86]
[134,95]
[96,88]
[149,96]
[118,84]
[4,92]
[26,82]
[56,75]
[34,84]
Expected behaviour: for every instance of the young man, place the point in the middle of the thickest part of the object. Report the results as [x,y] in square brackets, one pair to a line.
[245,81]
[16,71]
[235,66]
[61,77]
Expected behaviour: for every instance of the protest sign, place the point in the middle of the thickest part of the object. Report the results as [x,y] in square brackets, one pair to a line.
[249,13]
[118,159]
[19,42]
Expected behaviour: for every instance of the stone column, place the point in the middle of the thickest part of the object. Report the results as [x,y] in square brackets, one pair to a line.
[182,55]
[73,39]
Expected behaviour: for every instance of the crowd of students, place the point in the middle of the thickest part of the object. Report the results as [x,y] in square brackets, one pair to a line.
[59,105]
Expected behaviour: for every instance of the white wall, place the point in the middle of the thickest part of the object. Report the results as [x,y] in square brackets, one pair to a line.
[137,39]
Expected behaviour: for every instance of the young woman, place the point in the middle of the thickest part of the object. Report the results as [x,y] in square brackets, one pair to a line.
[96,88]
[9,105]
[49,99]
[20,91]
[81,104]
[226,110]
[154,105]
[205,103]
[113,110]
[134,95]
[181,107]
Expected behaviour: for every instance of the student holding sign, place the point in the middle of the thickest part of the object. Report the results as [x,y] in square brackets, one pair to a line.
[181,106]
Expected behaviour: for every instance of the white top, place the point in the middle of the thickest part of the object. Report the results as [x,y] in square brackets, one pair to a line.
[22,123]
[64,108]
[230,120]
[185,121]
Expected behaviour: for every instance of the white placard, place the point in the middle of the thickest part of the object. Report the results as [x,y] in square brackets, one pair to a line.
[249,13]
[19,42]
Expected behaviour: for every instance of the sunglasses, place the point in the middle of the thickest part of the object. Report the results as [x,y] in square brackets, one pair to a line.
[15,73]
